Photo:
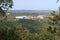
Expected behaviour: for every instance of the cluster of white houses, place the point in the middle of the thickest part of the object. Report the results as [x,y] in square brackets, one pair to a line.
[31,17]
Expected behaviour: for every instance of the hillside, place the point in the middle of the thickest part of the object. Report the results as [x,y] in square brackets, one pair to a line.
[24,29]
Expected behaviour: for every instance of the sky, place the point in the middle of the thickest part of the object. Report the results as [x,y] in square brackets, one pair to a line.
[35,5]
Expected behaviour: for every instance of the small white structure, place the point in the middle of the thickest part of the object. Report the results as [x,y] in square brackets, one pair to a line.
[20,17]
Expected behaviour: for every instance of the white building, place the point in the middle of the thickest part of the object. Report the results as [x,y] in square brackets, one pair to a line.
[20,17]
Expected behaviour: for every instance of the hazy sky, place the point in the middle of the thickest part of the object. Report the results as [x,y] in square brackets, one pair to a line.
[35,5]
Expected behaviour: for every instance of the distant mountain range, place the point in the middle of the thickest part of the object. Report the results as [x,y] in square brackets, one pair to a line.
[30,11]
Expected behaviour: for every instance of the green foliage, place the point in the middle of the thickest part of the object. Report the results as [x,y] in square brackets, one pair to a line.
[54,19]
[26,30]
[6,3]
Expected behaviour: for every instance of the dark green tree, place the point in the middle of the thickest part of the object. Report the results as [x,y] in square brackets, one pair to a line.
[5,5]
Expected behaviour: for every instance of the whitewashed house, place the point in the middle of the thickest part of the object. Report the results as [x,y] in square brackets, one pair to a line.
[20,17]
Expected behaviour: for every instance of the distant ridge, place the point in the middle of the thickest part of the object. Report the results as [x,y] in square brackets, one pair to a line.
[30,11]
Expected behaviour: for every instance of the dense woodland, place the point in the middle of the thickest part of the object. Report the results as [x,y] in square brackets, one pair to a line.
[26,29]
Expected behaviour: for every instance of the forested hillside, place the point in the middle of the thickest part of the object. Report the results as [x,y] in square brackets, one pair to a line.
[27,30]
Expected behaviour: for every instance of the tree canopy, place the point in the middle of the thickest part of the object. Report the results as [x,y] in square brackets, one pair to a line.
[5,4]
